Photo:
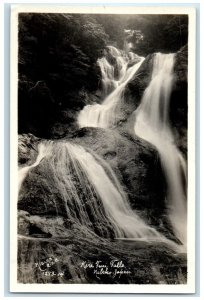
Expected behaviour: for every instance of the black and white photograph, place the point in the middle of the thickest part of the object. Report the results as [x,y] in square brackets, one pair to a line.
[103,151]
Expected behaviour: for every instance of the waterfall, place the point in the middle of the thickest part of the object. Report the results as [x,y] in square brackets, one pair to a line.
[90,191]
[111,75]
[107,72]
[22,172]
[152,124]
[114,80]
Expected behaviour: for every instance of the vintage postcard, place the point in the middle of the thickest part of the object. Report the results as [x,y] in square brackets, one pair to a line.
[102,149]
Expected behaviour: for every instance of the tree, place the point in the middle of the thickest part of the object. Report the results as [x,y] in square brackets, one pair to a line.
[60,52]
[161,33]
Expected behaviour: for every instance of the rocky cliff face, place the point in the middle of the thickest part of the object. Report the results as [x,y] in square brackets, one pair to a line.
[135,162]
[46,232]
[43,223]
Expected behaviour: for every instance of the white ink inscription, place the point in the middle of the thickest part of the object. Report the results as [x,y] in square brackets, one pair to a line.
[112,268]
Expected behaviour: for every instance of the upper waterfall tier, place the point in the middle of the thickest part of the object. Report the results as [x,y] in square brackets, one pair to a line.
[116,72]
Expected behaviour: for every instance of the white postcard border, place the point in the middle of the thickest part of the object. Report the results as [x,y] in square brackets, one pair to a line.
[102,288]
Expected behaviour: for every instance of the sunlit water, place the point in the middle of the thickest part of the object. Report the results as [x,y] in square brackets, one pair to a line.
[152,124]
[114,80]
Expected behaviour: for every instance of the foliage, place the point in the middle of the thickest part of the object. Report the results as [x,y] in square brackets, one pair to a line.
[161,33]
[57,59]
[58,54]
[114,26]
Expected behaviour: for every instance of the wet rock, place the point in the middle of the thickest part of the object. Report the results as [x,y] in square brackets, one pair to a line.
[150,263]
[179,100]
[134,161]
[135,88]
[42,226]
[23,222]
[27,148]
[46,231]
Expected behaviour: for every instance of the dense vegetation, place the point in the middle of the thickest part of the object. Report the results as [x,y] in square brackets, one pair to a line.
[58,54]
[57,64]
[161,33]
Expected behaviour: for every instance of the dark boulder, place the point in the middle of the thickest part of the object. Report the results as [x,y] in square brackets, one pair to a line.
[135,88]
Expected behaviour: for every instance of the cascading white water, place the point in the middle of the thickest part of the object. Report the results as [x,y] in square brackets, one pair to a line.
[107,72]
[90,191]
[112,74]
[22,172]
[114,79]
[152,124]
